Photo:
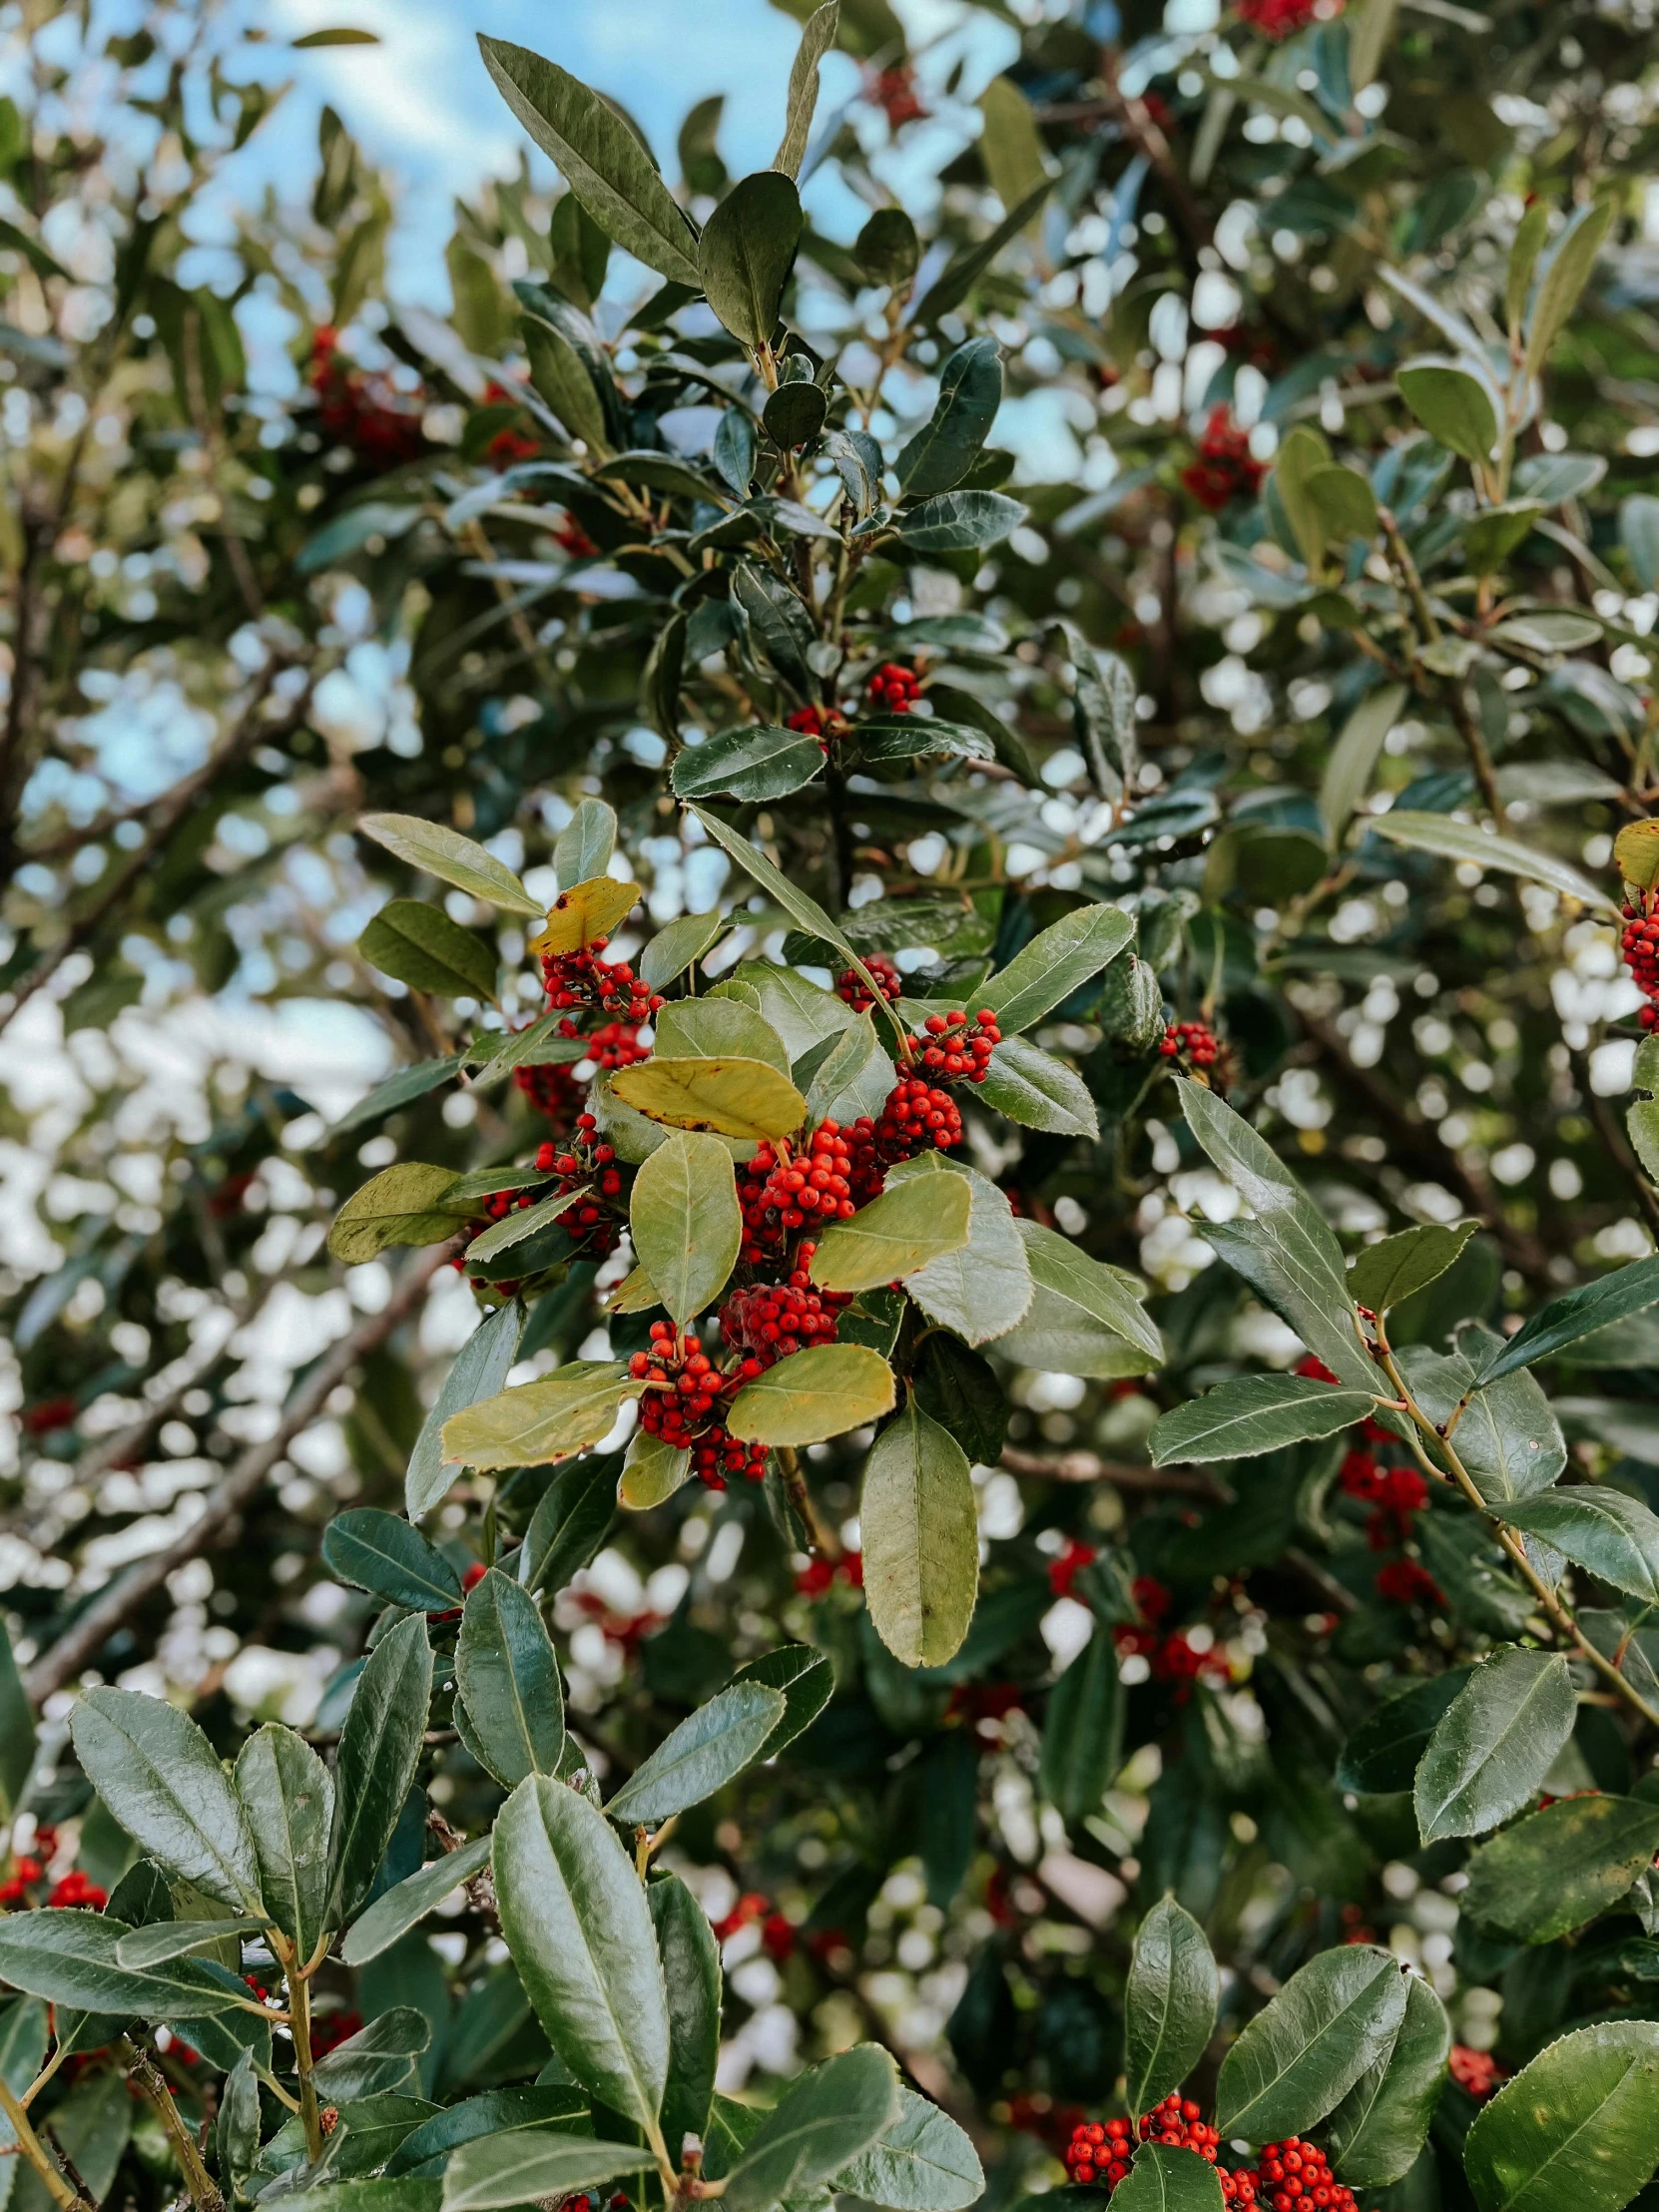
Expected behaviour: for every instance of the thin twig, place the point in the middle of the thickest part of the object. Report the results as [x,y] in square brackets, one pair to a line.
[1088,1466]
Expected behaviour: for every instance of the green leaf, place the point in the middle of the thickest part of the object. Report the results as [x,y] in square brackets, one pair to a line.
[984,1289]
[569,1525]
[946,446]
[452,858]
[1066,1277]
[407,1902]
[719,1029]
[1354,758]
[606,167]
[533,2165]
[162,1940]
[576,1921]
[1383,1753]
[1169,2005]
[1565,274]
[18,1736]
[1493,1746]
[1463,840]
[1287,1254]
[1386,1272]
[1578,2127]
[923,2162]
[1168,2178]
[420,946]
[806,1679]
[886,248]
[1082,1745]
[685,1223]
[1038,1091]
[68,1956]
[1380,2127]
[1609,1531]
[551,1418]
[1496,532]
[747,251]
[816,41]
[896,1234]
[583,849]
[652,1471]
[402,1089]
[1256,1413]
[1507,1438]
[1454,406]
[400,1206]
[288,1794]
[1639,535]
[160,1777]
[738,1098]
[553,2106]
[691,1974]
[813,1396]
[560,376]
[959,521]
[380,1749]
[709,1748]
[509,1678]
[1345,501]
[1564,1320]
[393,1561]
[672,949]
[1551,1872]
[959,274]
[756,761]
[479,1370]
[920,1534]
[827,2116]
[1300,2055]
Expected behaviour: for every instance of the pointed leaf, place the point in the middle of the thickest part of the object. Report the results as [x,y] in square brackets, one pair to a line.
[920,1534]
[811,1395]
[896,1234]
[1565,275]
[407,1902]
[985,1289]
[1493,1746]
[551,1418]
[756,761]
[1629,1289]
[946,446]
[1038,1091]
[382,1554]
[827,2116]
[747,251]
[691,1973]
[701,1756]
[506,1672]
[1381,2125]
[478,1371]
[685,1222]
[420,945]
[400,1206]
[1299,2056]
[1256,1413]
[533,2165]
[806,1679]
[1609,1531]
[162,1780]
[1386,1272]
[380,1751]
[924,2163]
[672,949]
[1168,2178]
[583,912]
[1462,841]
[1578,2127]
[734,1097]
[1170,2003]
[288,1794]
[1082,1747]
[816,38]
[452,858]
[1551,1872]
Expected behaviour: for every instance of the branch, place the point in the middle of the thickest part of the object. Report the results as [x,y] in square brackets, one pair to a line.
[1087,1466]
[113,1607]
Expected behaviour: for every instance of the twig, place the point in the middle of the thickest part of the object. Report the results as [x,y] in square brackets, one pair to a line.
[146,2080]
[1087,1466]
[68,2198]
[819,1542]
[115,1607]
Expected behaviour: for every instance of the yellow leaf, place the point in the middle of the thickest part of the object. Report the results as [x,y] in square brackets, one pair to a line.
[733,1098]
[635,1293]
[551,1418]
[396,1207]
[1636,849]
[916,1222]
[813,1394]
[587,911]
[652,1471]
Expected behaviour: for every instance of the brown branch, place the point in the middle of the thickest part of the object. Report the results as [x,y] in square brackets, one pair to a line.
[113,1607]
[1088,1466]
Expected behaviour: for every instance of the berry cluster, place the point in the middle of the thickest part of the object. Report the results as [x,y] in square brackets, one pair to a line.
[771,1319]
[592,1221]
[1640,945]
[1282,19]
[580,979]
[75,1889]
[1178,1655]
[616,1044]
[886,978]
[951,1051]
[364,410]
[1194,1041]
[1393,1493]
[822,723]
[508,445]
[820,1575]
[1225,465]
[917,1117]
[1100,2150]
[553,1090]
[1064,1570]
[684,1402]
[1294,2175]
[895,689]
[1408,1583]
[782,1191]
[893,91]
[1475,2071]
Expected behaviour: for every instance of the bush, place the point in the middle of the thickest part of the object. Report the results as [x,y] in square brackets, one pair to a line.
[880,807]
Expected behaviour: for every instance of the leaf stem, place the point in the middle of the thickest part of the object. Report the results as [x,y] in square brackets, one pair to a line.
[146,2078]
[299,2027]
[34,2150]
[819,1542]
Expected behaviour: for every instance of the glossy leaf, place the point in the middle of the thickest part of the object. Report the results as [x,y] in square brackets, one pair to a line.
[986,1288]
[747,253]
[400,1206]
[806,1679]
[701,1756]
[756,761]
[393,1561]
[959,521]
[581,913]
[578,1926]
[160,1777]
[509,1677]
[1038,1091]
[920,1534]
[68,1956]
[407,1902]
[402,1089]
[1383,1754]
[692,1978]
[1386,1272]
[1166,2178]
[652,1471]
[532,2166]
[551,1418]
[946,447]
[420,945]
[478,1371]
[288,1794]
[1551,1872]
[923,2162]
[827,2116]
[1169,2005]
[1380,2127]
[1082,1745]
[380,1751]
[894,1235]
[1495,1744]
[672,949]
[1612,1535]
[1302,2054]
[1579,2126]
[1058,961]
[1462,841]
[452,858]
[1628,1290]
[811,1395]
[1256,1413]
[685,1223]
[560,376]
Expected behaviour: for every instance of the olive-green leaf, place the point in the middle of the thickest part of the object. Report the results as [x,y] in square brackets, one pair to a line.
[478,1371]
[816,38]
[921,1534]
[420,945]
[560,376]
[813,1396]
[1383,1753]
[380,1749]
[509,1677]
[1609,1531]
[675,946]
[1465,840]
[576,1921]
[1299,2056]
[894,1235]
[1058,961]
[452,858]
[400,1089]
[288,1794]
[1354,758]
[1256,1413]
[161,1778]
[532,2165]
[1169,2005]
[606,167]
[1082,1747]
[1565,275]
[382,1554]
[756,761]
[1038,1091]
[155,1945]
[1168,2178]
[1553,1871]
[1628,1290]
[1380,2127]
[400,1206]
[985,1289]
[701,1756]
[806,1679]
[685,1221]
[827,2118]
[407,1902]
[923,2162]
[719,1029]
[1495,1744]
[692,1976]
[959,521]
[1452,405]
[732,1097]
[946,446]
[747,251]
[1579,2126]
[1386,1272]
[551,1418]
[68,1956]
